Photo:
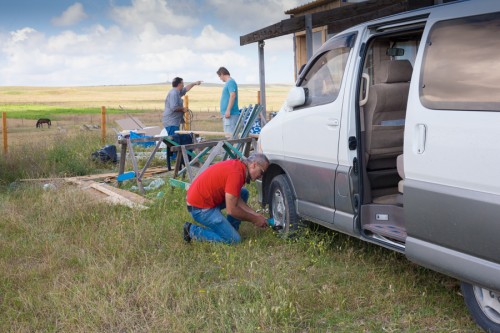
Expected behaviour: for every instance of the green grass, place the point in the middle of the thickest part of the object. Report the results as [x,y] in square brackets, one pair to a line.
[36,111]
[59,156]
[69,263]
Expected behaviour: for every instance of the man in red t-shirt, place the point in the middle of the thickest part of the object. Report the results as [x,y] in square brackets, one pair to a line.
[218,187]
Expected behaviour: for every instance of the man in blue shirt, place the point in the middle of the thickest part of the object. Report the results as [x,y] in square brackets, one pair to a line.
[228,101]
[173,115]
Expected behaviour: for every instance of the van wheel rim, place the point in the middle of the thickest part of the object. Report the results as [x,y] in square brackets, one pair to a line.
[278,209]
[489,302]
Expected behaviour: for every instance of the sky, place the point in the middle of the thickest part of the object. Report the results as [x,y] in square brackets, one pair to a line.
[116,42]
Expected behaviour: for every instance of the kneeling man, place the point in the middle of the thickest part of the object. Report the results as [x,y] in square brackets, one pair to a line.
[221,187]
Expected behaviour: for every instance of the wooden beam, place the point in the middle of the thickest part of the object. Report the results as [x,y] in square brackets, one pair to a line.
[340,25]
[296,24]
[348,16]
[282,28]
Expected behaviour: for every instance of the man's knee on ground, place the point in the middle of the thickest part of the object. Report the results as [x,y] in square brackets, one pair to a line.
[233,239]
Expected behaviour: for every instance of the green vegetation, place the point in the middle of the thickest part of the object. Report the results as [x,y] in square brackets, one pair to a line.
[71,263]
[34,111]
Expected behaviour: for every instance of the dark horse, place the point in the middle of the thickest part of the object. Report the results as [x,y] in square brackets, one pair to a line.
[42,121]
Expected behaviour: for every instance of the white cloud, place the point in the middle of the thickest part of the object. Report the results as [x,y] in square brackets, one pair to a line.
[143,47]
[256,14]
[73,15]
[155,12]
[211,39]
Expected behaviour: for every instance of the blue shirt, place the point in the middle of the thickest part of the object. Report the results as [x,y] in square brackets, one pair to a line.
[229,87]
[172,102]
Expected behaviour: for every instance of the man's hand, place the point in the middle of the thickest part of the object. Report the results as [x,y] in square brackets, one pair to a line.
[261,222]
[227,114]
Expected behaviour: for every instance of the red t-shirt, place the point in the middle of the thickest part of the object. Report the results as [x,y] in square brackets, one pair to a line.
[209,189]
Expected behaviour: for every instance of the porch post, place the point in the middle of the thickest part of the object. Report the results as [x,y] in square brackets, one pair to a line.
[309,36]
[262,78]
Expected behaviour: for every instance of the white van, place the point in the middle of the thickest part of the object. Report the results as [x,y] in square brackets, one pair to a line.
[392,135]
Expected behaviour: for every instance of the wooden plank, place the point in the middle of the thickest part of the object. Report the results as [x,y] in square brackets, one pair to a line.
[195,160]
[113,195]
[112,175]
[215,151]
[282,28]
[123,158]
[222,134]
[232,150]
[134,164]
[150,158]
[186,163]
[210,144]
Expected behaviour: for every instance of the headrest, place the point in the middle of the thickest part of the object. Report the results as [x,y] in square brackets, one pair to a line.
[393,71]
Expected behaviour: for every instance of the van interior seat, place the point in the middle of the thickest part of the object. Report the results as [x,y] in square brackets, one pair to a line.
[385,110]
[401,172]
[384,115]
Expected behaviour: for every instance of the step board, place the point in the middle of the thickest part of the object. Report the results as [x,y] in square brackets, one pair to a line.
[386,230]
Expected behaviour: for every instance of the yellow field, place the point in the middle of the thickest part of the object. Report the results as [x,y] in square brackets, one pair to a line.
[148,97]
[203,101]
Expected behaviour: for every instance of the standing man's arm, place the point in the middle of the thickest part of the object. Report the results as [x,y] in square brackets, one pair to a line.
[237,208]
[181,108]
[232,98]
[191,85]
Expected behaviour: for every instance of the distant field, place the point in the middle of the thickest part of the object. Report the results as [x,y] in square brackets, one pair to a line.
[70,108]
[34,102]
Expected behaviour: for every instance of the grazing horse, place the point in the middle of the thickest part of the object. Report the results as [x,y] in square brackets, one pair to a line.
[42,121]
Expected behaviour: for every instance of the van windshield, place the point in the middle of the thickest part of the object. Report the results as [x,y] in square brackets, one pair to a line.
[323,78]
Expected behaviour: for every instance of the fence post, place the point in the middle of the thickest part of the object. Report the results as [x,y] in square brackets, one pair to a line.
[103,124]
[4,129]
[187,120]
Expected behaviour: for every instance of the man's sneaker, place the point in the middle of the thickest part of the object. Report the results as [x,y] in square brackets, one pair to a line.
[186,228]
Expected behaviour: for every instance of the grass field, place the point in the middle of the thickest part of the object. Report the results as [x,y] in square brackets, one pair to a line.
[24,102]
[71,107]
[69,263]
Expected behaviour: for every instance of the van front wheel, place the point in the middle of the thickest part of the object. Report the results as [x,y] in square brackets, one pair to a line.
[483,305]
[282,206]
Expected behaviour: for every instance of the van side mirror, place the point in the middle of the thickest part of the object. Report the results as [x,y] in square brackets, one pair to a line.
[296,97]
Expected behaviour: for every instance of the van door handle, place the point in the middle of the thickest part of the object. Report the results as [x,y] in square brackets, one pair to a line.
[420,137]
[332,122]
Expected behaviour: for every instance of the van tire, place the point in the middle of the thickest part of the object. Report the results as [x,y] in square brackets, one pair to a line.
[282,206]
[485,314]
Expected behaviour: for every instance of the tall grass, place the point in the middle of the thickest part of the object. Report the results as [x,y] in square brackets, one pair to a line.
[61,155]
[70,264]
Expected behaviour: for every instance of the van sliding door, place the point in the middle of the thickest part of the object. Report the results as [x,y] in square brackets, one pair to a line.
[452,149]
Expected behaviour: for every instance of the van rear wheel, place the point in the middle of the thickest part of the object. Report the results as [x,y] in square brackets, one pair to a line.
[483,305]
[282,206]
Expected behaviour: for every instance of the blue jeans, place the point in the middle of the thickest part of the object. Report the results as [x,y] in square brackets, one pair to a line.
[171,131]
[216,226]
[230,123]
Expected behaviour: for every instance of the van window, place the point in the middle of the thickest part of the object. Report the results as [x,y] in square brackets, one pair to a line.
[323,79]
[461,64]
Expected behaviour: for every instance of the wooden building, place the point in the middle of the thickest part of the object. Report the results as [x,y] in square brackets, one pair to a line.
[314,22]
[320,34]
